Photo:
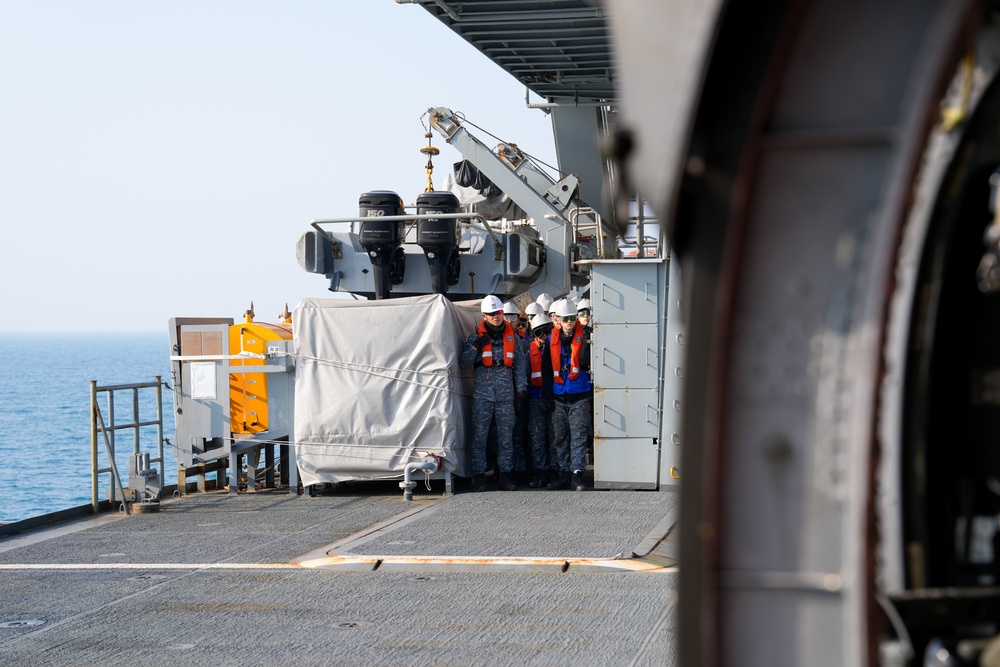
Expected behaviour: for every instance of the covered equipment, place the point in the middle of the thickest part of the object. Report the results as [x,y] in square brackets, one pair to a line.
[377,386]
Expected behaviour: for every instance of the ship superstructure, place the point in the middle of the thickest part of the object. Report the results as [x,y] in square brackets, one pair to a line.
[500,223]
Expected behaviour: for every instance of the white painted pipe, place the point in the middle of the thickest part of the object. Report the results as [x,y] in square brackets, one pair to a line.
[430,463]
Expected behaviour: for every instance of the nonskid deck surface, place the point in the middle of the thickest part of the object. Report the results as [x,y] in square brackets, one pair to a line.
[258,578]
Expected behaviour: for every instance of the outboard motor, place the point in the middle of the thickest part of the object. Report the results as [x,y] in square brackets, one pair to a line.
[439,238]
[382,239]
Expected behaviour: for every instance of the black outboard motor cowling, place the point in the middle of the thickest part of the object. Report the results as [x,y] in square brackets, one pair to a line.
[382,239]
[439,238]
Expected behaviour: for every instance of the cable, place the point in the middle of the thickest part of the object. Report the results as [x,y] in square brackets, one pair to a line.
[528,155]
[523,152]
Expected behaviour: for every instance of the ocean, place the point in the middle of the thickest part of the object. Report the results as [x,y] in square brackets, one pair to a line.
[44,414]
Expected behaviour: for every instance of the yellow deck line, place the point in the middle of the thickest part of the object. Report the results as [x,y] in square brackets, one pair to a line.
[474,563]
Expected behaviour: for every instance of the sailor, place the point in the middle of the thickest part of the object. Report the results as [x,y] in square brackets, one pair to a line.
[499,358]
[540,401]
[583,316]
[512,315]
[569,354]
[551,310]
[545,301]
[533,309]
[530,311]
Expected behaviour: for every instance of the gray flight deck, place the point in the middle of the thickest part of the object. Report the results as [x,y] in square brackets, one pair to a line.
[351,576]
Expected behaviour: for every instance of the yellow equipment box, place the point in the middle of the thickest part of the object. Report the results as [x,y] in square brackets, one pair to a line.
[248,392]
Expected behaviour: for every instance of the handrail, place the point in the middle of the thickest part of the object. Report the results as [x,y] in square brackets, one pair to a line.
[108,429]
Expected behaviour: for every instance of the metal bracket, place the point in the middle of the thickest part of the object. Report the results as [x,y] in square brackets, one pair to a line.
[564,191]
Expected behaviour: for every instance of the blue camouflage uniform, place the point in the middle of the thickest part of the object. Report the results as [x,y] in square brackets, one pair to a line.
[540,412]
[571,413]
[493,397]
[522,448]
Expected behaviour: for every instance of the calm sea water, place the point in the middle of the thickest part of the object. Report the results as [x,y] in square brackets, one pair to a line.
[44,414]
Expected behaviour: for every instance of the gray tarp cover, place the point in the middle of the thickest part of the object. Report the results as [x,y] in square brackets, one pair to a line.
[377,383]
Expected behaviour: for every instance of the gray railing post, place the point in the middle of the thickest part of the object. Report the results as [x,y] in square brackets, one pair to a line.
[94,493]
[162,462]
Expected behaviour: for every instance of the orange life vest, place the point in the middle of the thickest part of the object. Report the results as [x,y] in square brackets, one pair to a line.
[508,345]
[535,354]
[555,350]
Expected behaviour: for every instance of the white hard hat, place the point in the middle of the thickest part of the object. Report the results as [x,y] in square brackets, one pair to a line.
[539,321]
[491,304]
[583,303]
[533,309]
[545,301]
[510,308]
[565,308]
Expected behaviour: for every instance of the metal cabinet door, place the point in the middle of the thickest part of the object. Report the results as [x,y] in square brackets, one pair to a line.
[626,291]
[625,356]
[626,463]
[626,413]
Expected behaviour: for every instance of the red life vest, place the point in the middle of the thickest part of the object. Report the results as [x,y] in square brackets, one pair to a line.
[555,350]
[508,345]
[535,354]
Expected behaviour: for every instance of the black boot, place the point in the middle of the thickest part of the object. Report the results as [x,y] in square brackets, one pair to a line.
[561,482]
[578,483]
[537,481]
[479,483]
[508,481]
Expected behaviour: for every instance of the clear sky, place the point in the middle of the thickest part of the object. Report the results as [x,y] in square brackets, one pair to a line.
[160,158]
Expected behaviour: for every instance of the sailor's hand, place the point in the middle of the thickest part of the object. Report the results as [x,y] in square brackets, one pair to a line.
[480,342]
